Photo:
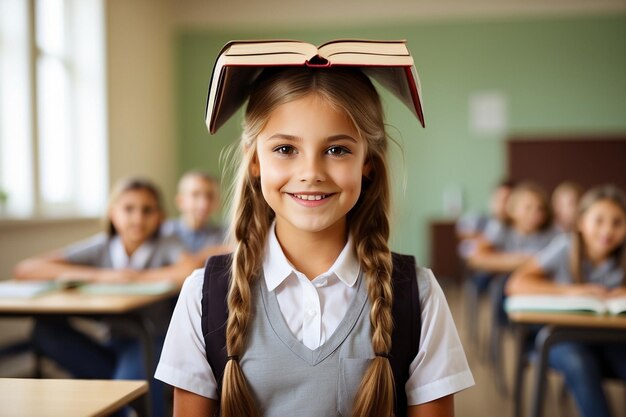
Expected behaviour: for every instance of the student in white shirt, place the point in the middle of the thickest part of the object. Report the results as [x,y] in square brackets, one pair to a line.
[131,250]
[311,257]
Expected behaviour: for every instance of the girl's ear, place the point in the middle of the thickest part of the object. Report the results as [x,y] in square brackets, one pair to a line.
[367,169]
[255,168]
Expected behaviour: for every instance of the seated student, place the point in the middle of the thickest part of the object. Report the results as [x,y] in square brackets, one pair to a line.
[470,227]
[590,261]
[197,200]
[131,250]
[565,205]
[506,248]
[525,232]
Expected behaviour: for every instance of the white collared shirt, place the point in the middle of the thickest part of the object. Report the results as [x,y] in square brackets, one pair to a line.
[138,260]
[312,308]
[440,367]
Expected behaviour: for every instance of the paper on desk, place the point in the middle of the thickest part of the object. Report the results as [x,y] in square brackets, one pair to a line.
[25,289]
[135,288]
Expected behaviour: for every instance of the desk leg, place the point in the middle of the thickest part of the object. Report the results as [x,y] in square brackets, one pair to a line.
[145,331]
[542,342]
[522,335]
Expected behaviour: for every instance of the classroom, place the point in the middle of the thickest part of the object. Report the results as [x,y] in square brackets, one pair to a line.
[104,99]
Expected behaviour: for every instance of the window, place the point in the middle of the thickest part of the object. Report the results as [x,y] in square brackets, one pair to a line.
[53,154]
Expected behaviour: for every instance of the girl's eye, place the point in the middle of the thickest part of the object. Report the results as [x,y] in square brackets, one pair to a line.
[338,151]
[147,211]
[284,149]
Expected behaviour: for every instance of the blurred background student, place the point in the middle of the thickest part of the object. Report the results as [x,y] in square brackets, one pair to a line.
[590,261]
[564,202]
[131,250]
[525,231]
[472,227]
[198,200]
[506,247]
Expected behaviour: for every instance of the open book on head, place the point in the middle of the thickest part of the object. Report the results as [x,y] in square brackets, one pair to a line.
[240,63]
[566,303]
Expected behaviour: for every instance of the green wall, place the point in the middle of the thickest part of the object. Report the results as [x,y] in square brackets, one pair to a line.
[565,75]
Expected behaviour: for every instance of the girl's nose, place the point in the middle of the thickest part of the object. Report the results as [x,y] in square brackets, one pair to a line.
[312,170]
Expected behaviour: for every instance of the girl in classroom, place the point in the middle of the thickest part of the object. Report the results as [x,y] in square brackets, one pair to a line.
[131,250]
[590,261]
[527,231]
[319,317]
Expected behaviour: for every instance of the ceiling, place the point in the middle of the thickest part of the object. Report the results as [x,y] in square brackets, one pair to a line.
[298,13]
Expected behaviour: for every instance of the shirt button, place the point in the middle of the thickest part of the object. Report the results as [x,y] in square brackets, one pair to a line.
[321,284]
[310,312]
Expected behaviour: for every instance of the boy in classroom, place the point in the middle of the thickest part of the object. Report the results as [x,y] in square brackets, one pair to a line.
[308,315]
[564,202]
[197,200]
[131,250]
[589,261]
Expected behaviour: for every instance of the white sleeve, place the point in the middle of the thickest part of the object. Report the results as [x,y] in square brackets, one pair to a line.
[440,367]
[183,362]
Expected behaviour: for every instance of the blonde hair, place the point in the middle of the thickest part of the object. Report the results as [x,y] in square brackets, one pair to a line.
[349,90]
[196,173]
[133,184]
[601,193]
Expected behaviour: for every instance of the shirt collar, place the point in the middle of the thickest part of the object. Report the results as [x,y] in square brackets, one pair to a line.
[138,260]
[277,268]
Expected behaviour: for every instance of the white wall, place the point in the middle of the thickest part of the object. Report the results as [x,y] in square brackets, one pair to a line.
[140,122]
[140,92]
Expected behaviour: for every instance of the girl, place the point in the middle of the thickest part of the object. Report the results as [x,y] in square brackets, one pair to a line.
[591,261]
[130,251]
[309,321]
[527,231]
[505,248]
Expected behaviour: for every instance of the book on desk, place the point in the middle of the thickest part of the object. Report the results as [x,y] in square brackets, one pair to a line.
[30,289]
[566,303]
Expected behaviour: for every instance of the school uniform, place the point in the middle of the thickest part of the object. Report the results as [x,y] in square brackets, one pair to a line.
[308,322]
[506,239]
[99,349]
[194,239]
[584,365]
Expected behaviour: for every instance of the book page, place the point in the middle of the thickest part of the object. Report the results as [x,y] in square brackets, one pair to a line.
[616,305]
[25,289]
[555,303]
[364,47]
[134,288]
[268,48]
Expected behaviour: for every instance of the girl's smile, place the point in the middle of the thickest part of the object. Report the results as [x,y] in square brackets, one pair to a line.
[311,160]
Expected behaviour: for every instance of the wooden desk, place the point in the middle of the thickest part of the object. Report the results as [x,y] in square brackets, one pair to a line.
[66,397]
[557,327]
[127,308]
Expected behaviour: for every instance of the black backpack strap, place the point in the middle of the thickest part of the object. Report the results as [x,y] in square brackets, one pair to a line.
[215,312]
[407,319]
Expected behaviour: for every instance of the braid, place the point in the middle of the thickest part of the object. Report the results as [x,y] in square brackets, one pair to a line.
[251,222]
[370,226]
